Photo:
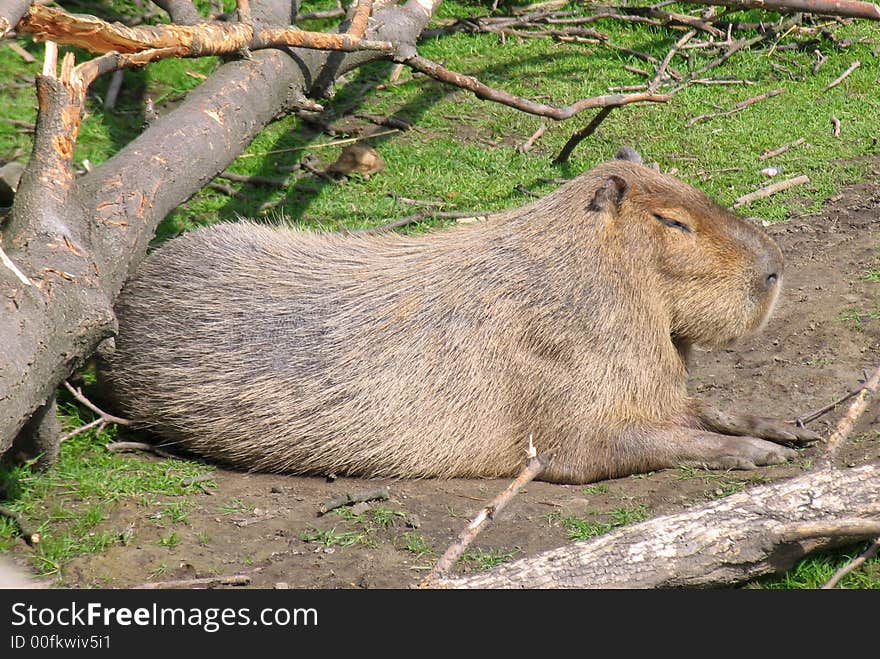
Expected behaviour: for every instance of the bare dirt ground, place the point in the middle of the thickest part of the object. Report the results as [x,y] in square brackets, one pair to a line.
[825,332]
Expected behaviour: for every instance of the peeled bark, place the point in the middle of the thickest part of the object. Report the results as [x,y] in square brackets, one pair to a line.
[761,531]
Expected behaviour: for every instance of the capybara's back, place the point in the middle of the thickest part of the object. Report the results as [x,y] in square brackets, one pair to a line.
[441,354]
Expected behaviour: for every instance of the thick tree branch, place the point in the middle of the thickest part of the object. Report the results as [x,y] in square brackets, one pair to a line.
[734,539]
[99,36]
[11,12]
[850,8]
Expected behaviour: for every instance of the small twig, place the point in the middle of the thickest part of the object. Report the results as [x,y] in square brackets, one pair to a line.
[121,447]
[204,582]
[108,418]
[820,60]
[21,52]
[423,215]
[835,126]
[381,494]
[661,70]
[771,189]
[845,425]
[225,189]
[772,153]
[739,107]
[869,553]
[815,414]
[839,79]
[581,135]
[529,143]
[536,465]
[266,181]
[350,140]
[99,422]
[28,535]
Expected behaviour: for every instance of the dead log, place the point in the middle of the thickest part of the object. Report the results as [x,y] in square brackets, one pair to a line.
[849,8]
[763,530]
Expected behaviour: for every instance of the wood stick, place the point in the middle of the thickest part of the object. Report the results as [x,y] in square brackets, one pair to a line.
[772,153]
[381,494]
[536,465]
[581,135]
[771,189]
[529,143]
[267,181]
[485,92]
[739,107]
[121,447]
[815,414]
[113,89]
[661,70]
[204,582]
[839,79]
[21,52]
[30,536]
[852,565]
[109,418]
[845,425]
[835,126]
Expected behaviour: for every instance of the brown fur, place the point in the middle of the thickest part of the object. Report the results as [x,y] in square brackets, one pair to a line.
[566,321]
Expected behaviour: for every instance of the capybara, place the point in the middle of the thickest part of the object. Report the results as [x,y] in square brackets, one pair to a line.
[567,321]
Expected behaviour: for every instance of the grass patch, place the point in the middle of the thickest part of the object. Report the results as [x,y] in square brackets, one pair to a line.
[477,560]
[857,318]
[70,502]
[815,570]
[580,528]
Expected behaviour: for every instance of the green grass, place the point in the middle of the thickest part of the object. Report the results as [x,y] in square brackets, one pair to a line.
[815,570]
[70,502]
[477,560]
[580,528]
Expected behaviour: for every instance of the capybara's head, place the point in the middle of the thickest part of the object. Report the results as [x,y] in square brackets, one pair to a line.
[719,274]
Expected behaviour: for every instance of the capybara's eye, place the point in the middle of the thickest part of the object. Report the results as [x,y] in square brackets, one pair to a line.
[675,224]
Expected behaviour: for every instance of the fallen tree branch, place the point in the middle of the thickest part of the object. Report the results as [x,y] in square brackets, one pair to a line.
[484,92]
[846,423]
[581,135]
[771,189]
[11,13]
[198,40]
[772,153]
[204,582]
[381,494]
[839,79]
[535,466]
[739,107]
[850,8]
[728,541]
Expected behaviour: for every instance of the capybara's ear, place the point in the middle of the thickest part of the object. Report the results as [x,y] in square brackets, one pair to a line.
[628,153]
[609,195]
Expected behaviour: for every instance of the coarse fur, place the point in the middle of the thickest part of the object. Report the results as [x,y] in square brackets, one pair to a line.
[566,321]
